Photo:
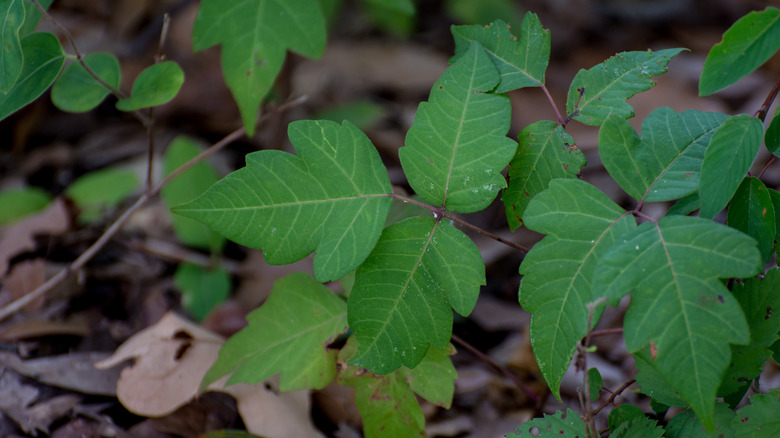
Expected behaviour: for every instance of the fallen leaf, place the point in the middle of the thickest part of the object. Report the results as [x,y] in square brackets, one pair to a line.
[23,279]
[18,237]
[33,328]
[17,401]
[73,371]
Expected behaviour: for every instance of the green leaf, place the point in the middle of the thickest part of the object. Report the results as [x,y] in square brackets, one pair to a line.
[759,419]
[581,223]
[596,383]
[557,425]
[654,385]
[521,62]
[156,85]
[434,377]
[333,198]
[637,427]
[255,35]
[772,134]
[101,190]
[623,414]
[748,43]
[776,203]
[32,16]
[77,91]
[11,58]
[759,300]
[752,212]
[18,203]
[43,60]
[202,289]
[665,163]
[687,425]
[545,152]
[685,205]
[404,290]
[732,149]
[288,334]
[603,90]
[457,146]
[184,188]
[680,314]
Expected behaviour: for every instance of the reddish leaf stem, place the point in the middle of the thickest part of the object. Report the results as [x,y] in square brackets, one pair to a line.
[761,113]
[614,395]
[605,332]
[561,120]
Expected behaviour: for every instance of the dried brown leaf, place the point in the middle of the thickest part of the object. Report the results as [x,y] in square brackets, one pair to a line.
[18,237]
[74,371]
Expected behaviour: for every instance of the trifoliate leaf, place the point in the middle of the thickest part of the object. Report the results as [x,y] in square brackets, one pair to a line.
[156,85]
[43,60]
[759,419]
[581,223]
[77,91]
[11,58]
[603,90]
[546,152]
[557,425]
[680,314]
[288,334]
[521,60]
[184,188]
[201,289]
[665,163]
[748,43]
[405,291]
[333,198]
[752,212]
[457,146]
[732,149]
[687,425]
[255,35]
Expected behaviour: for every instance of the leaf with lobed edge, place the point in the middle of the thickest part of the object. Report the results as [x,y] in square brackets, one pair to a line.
[332,197]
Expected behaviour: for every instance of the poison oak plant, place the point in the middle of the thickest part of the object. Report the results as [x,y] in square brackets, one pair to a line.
[702,317]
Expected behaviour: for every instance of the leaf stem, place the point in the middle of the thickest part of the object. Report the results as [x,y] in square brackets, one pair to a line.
[112,230]
[761,113]
[530,393]
[561,120]
[614,395]
[605,332]
[440,212]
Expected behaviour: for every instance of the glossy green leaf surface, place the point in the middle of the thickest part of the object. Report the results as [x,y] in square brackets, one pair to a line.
[11,58]
[201,289]
[681,315]
[18,203]
[457,146]
[43,60]
[156,85]
[77,91]
[602,90]
[288,334]
[98,191]
[521,60]
[752,212]
[748,43]
[552,426]
[665,163]
[581,223]
[255,35]
[332,198]
[732,149]
[32,16]
[190,184]
[545,152]
[404,293]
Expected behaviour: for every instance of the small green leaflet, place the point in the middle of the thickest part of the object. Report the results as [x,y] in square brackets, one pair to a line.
[581,223]
[638,427]
[602,90]
[665,163]
[748,43]
[97,192]
[43,61]
[759,419]
[434,377]
[457,146]
[623,414]
[557,425]
[11,58]
[202,289]
[752,212]
[332,197]
[545,152]
[156,85]
[680,313]
[77,91]
[595,383]
[521,61]
[772,134]
[288,334]
[18,203]
[732,149]
[184,188]
[405,291]
[760,302]
[255,35]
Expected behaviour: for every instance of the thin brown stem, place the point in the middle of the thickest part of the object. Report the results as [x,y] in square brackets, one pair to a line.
[761,113]
[530,393]
[112,230]
[604,332]
[766,165]
[552,103]
[614,395]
